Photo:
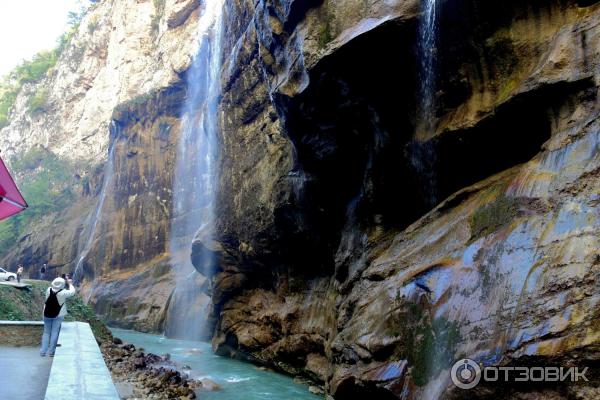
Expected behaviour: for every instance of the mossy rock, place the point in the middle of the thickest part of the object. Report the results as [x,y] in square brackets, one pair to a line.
[427,344]
[493,216]
[326,34]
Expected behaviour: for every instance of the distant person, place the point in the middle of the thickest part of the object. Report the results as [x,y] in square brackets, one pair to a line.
[43,271]
[55,311]
[19,273]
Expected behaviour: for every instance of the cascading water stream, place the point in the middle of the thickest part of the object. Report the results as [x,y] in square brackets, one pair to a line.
[195,176]
[428,41]
[109,172]
[421,150]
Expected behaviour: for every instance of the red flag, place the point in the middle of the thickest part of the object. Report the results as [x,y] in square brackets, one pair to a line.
[11,201]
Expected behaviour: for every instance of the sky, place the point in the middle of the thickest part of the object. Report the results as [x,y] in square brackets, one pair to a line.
[29,26]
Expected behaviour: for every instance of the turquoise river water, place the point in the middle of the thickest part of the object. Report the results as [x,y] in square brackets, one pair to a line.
[238,380]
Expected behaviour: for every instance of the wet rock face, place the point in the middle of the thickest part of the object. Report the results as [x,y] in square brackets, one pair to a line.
[127,274]
[340,262]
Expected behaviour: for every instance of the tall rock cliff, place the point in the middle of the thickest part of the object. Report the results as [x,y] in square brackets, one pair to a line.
[369,261]
[348,251]
[111,118]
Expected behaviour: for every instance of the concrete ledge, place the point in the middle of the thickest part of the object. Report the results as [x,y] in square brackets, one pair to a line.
[24,323]
[16,285]
[78,370]
[21,333]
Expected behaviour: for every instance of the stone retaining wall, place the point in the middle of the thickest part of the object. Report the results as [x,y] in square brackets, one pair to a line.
[21,333]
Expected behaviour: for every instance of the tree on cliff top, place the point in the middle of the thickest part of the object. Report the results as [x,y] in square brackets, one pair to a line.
[47,183]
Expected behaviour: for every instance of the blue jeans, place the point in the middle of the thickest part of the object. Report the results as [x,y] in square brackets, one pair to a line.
[50,336]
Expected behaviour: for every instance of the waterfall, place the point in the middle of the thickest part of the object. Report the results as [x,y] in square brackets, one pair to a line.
[109,172]
[195,176]
[422,150]
[424,160]
[427,42]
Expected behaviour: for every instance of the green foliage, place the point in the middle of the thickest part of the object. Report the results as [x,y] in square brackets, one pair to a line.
[132,105]
[37,103]
[8,234]
[11,304]
[493,216]
[33,70]
[47,189]
[433,345]
[428,343]
[30,71]
[79,311]
[326,32]
[8,95]
[74,18]
[64,40]
[93,24]
[21,305]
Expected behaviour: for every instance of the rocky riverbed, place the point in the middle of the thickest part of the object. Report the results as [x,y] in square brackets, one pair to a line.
[141,375]
[221,378]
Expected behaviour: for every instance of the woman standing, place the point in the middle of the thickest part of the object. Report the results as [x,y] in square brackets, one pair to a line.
[55,311]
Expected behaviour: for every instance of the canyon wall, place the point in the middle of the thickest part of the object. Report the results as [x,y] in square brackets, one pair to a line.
[365,260]
[347,251]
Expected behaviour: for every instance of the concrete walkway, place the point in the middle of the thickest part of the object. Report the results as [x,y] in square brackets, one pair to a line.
[15,284]
[23,373]
[79,371]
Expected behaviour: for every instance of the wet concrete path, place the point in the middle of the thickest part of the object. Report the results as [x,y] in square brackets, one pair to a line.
[23,373]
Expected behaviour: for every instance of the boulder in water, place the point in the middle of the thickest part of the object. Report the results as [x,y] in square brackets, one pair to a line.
[316,390]
[193,351]
[209,385]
